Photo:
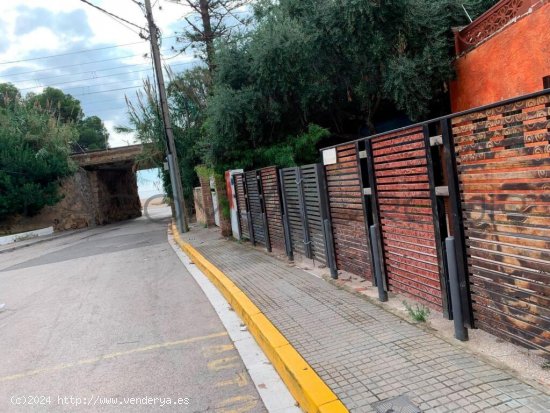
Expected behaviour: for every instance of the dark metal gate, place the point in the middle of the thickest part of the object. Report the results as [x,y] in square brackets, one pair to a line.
[272,205]
[402,190]
[242,210]
[306,215]
[255,204]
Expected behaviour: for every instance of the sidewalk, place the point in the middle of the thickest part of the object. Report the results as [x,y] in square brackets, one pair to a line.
[363,353]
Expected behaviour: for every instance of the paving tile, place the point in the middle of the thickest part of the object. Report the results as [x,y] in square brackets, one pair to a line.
[362,352]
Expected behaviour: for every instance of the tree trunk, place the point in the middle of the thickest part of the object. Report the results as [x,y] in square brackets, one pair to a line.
[208,34]
[372,112]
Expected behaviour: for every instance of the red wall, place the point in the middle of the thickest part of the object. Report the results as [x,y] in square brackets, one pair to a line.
[510,64]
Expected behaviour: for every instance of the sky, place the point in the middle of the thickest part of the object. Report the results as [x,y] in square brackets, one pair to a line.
[149,183]
[67,31]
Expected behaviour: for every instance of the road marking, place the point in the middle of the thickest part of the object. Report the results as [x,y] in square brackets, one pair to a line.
[275,396]
[240,380]
[222,348]
[224,363]
[237,404]
[64,366]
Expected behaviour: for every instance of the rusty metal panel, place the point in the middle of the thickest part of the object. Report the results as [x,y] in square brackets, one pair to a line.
[405,213]
[346,209]
[255,204]
[272,202]
[503,162]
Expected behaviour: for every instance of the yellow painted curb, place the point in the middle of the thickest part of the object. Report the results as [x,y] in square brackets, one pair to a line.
[309,390]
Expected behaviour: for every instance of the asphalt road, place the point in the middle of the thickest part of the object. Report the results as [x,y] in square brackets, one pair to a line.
[110,320]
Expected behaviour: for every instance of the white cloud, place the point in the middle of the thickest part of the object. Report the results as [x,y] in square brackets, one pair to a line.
[69,36]
[40,38]
[118,139]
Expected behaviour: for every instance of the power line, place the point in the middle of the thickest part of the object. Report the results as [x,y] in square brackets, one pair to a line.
[83,73]
[114,15]
[106,113]
[126,26]
[99,77]
[76,64]
[89,102]
[98,85]
[106,91]
[103,70]
[100,109]
[78,52]
[80,64]
[83,80]
[70,53]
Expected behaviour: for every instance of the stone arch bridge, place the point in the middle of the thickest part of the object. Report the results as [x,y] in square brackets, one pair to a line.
[102,191]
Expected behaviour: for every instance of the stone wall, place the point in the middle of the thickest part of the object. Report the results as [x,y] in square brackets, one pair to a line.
[207,203]
[90,198]
[199,210]
[75,210]
[225,221]
[115,194]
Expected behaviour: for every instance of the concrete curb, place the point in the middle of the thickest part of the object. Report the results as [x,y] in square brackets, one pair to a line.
[39,240]
[309,390]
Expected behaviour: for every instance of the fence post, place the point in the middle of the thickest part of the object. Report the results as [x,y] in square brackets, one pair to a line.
[435,178]
[303,212]
[325,216]
[264,210]
[382,293]
[456,222]
[365,198]
[461,333]
[286,224]
[377,251]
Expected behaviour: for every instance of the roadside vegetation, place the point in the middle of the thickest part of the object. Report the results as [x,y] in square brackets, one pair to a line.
[38,132]
[282,78]
[418,312]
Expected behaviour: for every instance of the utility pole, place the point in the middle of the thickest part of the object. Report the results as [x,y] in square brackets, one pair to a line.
[171,154]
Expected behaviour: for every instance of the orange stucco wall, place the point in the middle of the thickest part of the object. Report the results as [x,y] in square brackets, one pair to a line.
[510,64]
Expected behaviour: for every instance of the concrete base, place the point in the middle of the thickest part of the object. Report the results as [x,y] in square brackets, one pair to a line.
[9,239]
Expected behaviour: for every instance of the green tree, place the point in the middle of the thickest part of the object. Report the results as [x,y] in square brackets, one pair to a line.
[187,99]
[60,105]
[343,65]
[209,21]
[34,157]
[92,134]
[9,95]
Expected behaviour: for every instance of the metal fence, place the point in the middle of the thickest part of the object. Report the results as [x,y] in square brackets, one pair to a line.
[387,203]
[503,167]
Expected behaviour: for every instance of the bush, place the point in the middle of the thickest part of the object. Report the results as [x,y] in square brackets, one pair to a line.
[418,313]
[34,157]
